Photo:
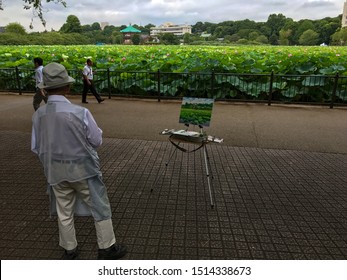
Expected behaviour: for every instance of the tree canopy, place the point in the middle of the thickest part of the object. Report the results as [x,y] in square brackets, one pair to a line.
[16,28]
[309,38]
[72,25]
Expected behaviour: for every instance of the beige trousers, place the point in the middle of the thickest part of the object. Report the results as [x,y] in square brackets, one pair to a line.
[65,194]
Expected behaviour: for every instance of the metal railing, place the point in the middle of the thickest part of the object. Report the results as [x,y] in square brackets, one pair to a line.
[270,88]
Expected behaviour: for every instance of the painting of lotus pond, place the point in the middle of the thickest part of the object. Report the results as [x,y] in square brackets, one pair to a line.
[196,111]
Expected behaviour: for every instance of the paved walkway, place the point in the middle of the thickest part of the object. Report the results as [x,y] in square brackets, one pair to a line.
[279,184]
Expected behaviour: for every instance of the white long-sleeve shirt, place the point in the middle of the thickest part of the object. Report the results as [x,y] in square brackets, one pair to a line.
[38,75]
[65,136]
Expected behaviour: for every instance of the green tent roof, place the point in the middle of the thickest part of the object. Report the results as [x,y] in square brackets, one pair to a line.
[130,29]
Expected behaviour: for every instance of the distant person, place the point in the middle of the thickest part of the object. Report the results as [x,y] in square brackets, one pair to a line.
[65,137]
[88,83]
[39,94]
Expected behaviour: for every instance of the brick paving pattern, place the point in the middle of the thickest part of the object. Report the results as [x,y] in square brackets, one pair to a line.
[269,203]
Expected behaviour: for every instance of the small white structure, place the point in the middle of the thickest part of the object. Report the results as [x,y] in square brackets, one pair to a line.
[205,35]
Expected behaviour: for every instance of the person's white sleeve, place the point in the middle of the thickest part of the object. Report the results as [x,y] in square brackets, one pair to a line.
[39,76]
[33,140]
[94,133]
[85,71]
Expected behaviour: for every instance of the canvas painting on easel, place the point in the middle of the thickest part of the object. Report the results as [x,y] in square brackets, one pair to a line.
[196,111]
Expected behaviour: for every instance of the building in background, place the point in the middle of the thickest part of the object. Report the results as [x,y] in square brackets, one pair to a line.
[169,27]
[344,15]
[128,33]
[103,25]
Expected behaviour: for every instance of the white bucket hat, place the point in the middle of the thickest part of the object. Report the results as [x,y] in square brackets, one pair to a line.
[54,75]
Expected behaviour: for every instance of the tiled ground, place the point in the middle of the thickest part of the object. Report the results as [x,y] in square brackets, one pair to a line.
[269,204]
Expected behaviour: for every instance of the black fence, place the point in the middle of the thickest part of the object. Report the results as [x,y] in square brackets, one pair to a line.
[330,90]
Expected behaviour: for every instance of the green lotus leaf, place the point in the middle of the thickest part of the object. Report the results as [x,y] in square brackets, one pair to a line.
[306,68]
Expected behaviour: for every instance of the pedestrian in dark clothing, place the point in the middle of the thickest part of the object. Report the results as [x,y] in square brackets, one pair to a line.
[88,83]
[39,93]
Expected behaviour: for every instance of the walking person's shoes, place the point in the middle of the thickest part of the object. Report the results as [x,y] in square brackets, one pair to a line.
[101,100]
[112,253]
[71,254]
[86,102]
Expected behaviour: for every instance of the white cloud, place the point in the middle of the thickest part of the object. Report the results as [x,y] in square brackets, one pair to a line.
[318,3]
[159,11]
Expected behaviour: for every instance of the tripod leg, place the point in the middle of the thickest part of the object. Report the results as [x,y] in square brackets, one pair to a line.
[171,155]
[208,162]
[174,151]
[208,175]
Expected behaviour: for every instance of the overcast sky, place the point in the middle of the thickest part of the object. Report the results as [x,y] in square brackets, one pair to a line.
[142,12]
